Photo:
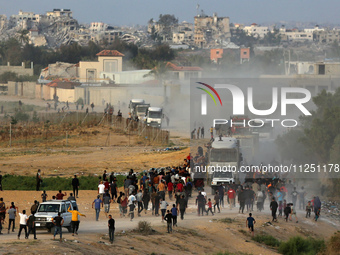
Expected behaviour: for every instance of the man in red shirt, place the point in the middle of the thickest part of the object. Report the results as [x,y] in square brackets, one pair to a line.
[180,187]
[60,195]
[170,189]
[231,195]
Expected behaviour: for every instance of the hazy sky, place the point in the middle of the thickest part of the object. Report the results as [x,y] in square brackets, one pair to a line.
[128,12]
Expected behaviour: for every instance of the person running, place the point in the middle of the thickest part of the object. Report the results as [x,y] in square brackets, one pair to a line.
[250,222]
[58,222]
[293,212]
[216,202]
[75,219]
[75,185]
[209,204]
[97,202]
[174,213]
[23,223]
[168,218]
[111,225]
[273,208]
[11,216]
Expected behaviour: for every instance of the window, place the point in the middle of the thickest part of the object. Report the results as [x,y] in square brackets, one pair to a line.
[110,66]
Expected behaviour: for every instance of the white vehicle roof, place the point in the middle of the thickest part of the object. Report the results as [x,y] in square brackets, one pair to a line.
[155,109]
[137,101]
[226,143]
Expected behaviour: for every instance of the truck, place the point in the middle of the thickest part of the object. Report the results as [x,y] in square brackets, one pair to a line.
[141,111]
[49,209]
[224,159]
[133,104]
[154,117]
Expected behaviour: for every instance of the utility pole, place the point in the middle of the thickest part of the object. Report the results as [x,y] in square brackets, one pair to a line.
[10,134]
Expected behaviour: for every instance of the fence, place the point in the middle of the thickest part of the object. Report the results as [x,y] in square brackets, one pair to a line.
[51,127]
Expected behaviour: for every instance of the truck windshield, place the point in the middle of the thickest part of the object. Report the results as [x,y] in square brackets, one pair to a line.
[49,208]
[223,174]
[223,155]
[142,109]
[156,115]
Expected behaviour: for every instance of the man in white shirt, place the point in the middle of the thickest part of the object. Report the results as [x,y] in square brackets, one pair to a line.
[101,190]
[131,204]
[164,204]
[23,222]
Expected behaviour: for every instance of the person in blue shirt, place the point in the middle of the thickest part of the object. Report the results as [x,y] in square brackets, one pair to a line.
[97,202]
[250,224]
[174,211]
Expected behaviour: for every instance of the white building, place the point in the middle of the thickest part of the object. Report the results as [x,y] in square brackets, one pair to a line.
[256,30]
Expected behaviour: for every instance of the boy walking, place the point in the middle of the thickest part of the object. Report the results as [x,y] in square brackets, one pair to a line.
[209,204]
[250,224]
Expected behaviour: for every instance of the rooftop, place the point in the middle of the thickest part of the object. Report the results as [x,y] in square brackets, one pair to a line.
[110,53]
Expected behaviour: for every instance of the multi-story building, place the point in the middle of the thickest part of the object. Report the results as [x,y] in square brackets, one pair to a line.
[25,20]
[327,36]
[211,29]
[98,26]
[59,13]
[256,30]
[294,35]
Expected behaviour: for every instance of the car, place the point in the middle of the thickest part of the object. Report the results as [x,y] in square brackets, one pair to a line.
[49,209]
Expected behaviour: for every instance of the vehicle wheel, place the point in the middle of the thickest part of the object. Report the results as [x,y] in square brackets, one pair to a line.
[51,230]
[213,191]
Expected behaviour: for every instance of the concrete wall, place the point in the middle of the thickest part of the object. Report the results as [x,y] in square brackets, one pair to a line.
[127,77]
[19,70]
[24,89]
[65,95]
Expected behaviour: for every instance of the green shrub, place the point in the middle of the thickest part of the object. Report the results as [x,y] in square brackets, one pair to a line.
[300,246]
[267,240]
[15,182]
[144,228]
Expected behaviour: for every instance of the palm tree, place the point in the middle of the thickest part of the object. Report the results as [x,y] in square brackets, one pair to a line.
[160,73]
[23,37]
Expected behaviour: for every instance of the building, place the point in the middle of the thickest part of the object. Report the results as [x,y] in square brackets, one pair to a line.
[184,72]
[109,61]
[294,35]
[24,20]
[216,55]
[256,30]
[183,37]
[210,30]
[56,13]
[98,26]
[327,36]
[312,30]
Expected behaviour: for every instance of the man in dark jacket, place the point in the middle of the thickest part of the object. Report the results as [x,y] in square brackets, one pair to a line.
[75,185]
[273,207]
[241,200]
[200,202]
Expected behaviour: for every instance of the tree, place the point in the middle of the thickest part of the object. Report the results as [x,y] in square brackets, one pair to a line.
[159,72]
[166,22]
[23,36]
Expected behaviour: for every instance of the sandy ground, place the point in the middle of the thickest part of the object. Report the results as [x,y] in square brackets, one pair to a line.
[194,235]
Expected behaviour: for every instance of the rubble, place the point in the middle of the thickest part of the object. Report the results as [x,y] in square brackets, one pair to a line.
[330,209]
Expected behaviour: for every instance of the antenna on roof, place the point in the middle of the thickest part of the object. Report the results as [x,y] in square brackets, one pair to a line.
[197,7]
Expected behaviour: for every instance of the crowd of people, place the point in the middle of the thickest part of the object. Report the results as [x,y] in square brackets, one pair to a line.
[168,191]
